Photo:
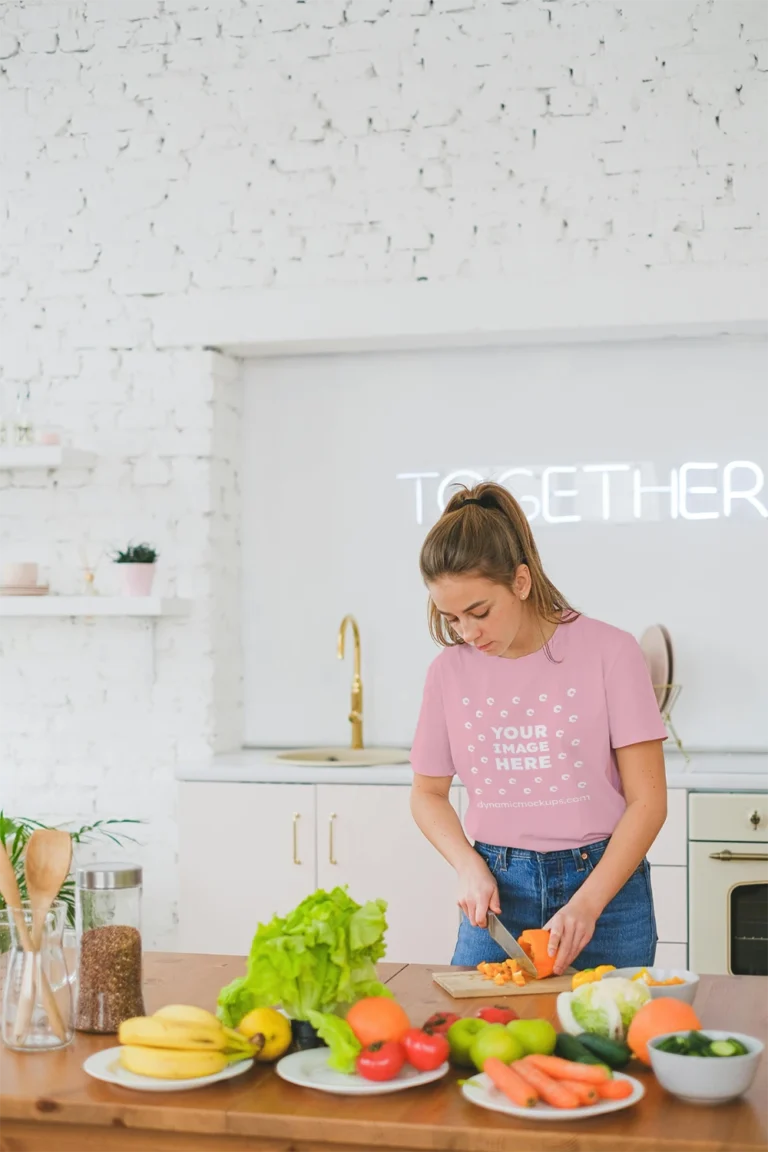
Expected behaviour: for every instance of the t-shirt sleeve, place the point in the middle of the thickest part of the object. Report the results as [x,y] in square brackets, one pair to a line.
[633,710]
[431,751]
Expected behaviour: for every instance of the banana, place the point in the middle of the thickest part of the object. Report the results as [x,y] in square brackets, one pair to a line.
[165,1064]
[187,1014]
[157,1032]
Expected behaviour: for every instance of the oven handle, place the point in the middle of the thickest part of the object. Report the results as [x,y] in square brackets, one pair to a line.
[726,854]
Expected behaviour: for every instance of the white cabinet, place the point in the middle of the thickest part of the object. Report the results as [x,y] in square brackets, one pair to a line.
[246,851]
[670,899]
[367,839]
[671,844]
[672,956]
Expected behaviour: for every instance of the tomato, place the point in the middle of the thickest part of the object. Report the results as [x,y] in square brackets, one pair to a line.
[496,1015]
[381,1061]
[377,1018]
[440,1022]
[425,1050]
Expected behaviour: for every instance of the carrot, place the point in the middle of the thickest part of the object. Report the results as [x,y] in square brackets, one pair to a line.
[560,1069]
[614,1090]
[552,1092]
[514,1087]
[584,1093]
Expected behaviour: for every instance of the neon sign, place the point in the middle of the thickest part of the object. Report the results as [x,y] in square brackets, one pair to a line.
[612,492]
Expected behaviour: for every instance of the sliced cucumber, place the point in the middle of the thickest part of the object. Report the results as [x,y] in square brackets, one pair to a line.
[726,1048]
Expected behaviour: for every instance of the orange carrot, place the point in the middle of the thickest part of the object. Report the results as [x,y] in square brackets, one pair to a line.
[584,1093]
[514,1087]
[552,1092]
[614,1090]
[560,1069]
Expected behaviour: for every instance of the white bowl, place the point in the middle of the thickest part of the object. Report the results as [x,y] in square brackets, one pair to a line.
[685,992]
[706,1079]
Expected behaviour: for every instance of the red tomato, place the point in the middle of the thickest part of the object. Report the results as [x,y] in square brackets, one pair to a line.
[495,1015]
[381,1061]
[425,1050]
[440,1022]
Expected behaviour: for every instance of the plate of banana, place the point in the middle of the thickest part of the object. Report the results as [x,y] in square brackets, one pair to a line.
[178,1048]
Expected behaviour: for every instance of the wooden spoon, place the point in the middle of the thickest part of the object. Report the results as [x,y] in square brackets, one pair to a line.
[47,861]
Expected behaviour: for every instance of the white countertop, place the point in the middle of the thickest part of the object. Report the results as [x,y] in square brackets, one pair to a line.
[706,772]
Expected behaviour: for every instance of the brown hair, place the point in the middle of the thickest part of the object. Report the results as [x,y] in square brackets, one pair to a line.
[489,537]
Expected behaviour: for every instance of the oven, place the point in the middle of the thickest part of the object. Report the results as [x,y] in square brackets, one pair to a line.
[728,883]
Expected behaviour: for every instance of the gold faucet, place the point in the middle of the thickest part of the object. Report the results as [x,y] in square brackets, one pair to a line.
[356,700]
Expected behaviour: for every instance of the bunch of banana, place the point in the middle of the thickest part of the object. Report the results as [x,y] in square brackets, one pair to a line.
[180,1042]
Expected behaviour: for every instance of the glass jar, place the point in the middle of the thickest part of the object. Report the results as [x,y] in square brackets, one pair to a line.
[37,985]
[108,917]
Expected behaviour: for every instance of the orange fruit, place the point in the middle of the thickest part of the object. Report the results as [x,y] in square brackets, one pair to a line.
[377,1018]
[654,1019]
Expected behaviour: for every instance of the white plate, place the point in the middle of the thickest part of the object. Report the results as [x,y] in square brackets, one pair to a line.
[106,1066]
[480,1091]
[310,1070]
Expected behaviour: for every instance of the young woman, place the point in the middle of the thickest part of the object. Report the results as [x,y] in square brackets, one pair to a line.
[550,721]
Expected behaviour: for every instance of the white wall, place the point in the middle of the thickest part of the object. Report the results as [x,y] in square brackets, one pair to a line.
[328,529]
[161,149]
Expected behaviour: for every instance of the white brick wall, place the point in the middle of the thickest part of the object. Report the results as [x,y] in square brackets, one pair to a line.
[169,147]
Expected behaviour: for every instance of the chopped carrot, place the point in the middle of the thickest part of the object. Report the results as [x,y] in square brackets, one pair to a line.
[614,1089]
[514,1087]
[585,1093]
[552,1092]
[561,1069]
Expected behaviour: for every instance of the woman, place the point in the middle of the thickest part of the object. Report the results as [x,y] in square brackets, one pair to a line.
[550,720]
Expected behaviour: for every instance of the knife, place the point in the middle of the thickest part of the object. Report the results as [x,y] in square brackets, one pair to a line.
[510,945]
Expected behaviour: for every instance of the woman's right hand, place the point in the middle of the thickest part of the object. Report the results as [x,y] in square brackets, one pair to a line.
[478,892]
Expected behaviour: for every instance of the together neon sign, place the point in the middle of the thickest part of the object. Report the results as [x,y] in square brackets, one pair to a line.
[621,493]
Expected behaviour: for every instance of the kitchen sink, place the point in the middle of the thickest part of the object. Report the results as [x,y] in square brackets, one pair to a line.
[344,757]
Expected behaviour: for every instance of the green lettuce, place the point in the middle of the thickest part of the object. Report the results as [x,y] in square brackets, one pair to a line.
[608,1007]
[337,1034]
[320,957]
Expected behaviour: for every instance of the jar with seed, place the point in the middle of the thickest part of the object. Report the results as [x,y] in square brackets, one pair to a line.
[108,915]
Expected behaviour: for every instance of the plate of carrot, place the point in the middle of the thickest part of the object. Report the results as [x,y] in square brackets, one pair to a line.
[549,1088]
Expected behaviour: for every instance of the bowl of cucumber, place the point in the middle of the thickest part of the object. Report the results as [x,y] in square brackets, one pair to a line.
[707,1067]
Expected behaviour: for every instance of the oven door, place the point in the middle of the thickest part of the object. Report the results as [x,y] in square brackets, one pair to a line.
[728,908]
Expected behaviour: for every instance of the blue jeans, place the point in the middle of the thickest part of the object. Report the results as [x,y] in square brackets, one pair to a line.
[534,885]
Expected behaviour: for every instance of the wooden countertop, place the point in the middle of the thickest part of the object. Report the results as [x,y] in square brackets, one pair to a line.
[48,1104]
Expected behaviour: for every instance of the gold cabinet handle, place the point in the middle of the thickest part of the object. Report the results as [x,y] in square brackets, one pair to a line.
[296,818]
[726,854]
[331,858]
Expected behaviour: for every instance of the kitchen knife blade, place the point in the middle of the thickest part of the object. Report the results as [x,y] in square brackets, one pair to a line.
[510,945]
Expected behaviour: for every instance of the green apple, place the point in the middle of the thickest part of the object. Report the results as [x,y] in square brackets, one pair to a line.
[534,1035]
[496,1041]
[460,1036]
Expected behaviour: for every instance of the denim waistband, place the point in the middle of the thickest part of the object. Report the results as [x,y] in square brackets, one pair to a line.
[504,854]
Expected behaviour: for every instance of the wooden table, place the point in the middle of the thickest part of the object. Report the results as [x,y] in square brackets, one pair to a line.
[48,1104]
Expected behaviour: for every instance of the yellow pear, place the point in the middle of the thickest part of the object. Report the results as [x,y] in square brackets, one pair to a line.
[269,1032]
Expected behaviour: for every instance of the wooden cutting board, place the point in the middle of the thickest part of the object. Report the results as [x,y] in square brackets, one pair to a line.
[465,985]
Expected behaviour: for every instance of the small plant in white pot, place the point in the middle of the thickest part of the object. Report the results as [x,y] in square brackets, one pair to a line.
[137,568]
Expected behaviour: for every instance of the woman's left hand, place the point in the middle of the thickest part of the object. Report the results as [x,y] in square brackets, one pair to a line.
[571,929]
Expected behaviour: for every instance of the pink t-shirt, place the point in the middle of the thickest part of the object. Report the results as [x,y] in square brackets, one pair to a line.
[533,739]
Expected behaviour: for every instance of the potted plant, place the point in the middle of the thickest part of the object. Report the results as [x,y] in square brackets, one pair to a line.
[138,568]
[15,831]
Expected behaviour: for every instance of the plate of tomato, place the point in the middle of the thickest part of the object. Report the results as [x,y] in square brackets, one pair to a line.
[419,1057]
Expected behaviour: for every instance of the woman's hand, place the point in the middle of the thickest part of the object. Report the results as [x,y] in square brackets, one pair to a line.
[571,929]
[478,891]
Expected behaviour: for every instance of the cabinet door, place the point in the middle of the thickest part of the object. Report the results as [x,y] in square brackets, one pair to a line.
[368,840]
[671,845]
[670,901]
[246,851]
[672,956]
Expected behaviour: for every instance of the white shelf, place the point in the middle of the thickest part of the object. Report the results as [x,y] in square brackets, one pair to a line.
[92,606]
[45,456]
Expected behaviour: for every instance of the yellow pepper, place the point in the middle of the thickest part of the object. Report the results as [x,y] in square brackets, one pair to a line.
[591,975]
